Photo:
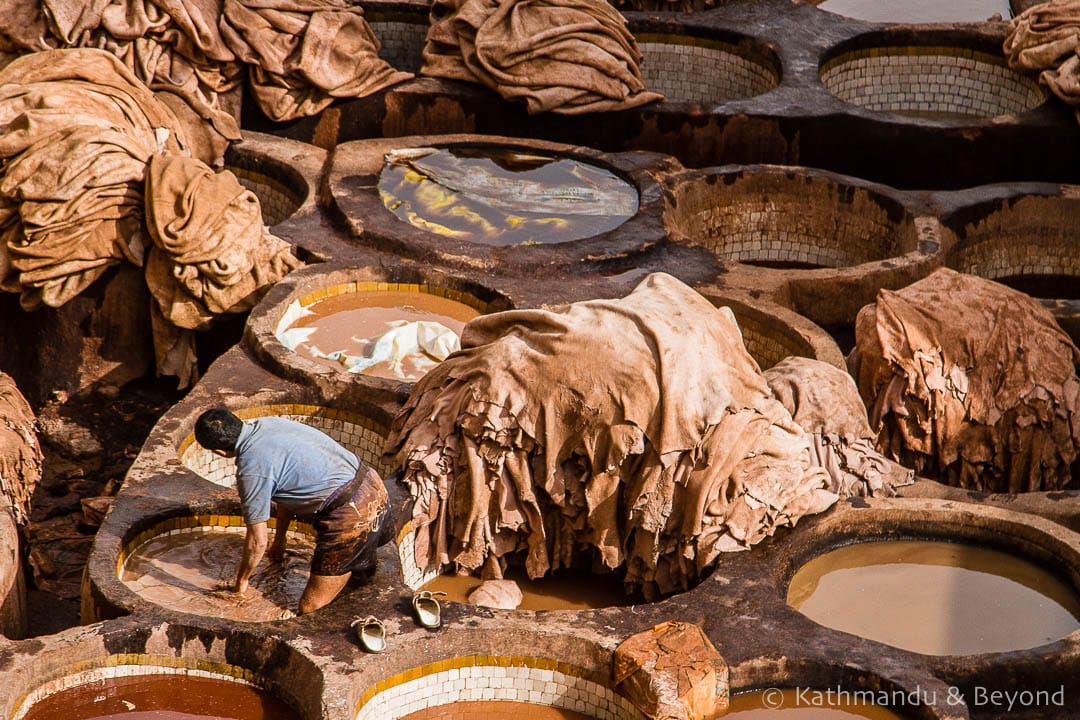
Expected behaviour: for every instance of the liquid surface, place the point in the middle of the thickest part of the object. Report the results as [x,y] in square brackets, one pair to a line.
[161,697]
[791,704]
[918,11]
[563,590]
[193,571]
[347,326]
[494,710]
[501,197]
[935,598]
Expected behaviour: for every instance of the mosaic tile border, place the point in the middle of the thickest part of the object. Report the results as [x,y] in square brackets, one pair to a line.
[706,71]
[134,664]
[411,574]
[513,678]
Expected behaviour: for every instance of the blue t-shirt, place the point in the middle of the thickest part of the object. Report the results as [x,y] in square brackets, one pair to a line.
[290,463]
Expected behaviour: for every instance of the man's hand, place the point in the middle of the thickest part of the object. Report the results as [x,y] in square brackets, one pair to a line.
[254,549]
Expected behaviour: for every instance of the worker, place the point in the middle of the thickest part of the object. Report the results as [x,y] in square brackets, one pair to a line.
[292,471]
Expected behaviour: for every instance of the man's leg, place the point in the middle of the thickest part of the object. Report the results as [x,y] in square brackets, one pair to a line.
[320,590]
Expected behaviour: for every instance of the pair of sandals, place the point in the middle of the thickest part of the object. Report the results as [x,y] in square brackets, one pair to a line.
[372,634]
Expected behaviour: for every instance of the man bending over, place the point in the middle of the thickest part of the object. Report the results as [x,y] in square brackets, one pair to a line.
[294,471]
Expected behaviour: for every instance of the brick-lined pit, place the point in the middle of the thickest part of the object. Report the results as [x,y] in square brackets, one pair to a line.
[705,71]
[789,218]
[934,81]
[1029,243]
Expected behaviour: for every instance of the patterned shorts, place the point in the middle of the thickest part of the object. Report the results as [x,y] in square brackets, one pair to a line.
[351,525]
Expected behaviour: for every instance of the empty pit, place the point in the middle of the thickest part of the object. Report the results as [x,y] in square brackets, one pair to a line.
[280,186]
[488,686]
[930,82]
[791,219]
[1028,243]
[150,686]
[706,71]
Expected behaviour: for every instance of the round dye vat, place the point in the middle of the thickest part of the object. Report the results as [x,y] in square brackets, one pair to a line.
[919,11]
[494,710]
[936,598]
[193,571]
[793,704]
[562,590]
[395,334]
[497,196]
[161,697]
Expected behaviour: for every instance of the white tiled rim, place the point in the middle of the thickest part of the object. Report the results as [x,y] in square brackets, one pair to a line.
[705,71]
[916,80]
[521,679]
[362,435]
[129,665]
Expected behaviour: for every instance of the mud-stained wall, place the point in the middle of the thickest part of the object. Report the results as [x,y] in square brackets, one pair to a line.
[1033,235]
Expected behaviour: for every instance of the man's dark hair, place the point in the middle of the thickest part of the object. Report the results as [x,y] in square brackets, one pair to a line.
[218,429]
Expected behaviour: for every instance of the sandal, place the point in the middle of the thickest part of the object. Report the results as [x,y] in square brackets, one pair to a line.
[427,608]
[371,633]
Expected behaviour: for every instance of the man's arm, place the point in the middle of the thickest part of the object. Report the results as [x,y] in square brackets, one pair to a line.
[254,548]
[284,517]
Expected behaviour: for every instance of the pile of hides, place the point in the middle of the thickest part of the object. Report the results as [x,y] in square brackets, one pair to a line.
[89,155]
[297,55]
[672,672]
[636,433]
[563,56]
[825,402]
[1045,39]
[20,453]
[970,383]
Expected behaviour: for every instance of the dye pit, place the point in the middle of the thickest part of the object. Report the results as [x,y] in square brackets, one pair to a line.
[790,704]
[936,598]
[193,572]
[345,329]
[502,197]
[161,697]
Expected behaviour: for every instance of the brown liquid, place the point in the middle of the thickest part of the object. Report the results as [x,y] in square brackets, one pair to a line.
[191,572]
[494,710]
[563,590]
[790,704]
[935,598]
[447,210]
[352,322]
[918,11]
[161,697]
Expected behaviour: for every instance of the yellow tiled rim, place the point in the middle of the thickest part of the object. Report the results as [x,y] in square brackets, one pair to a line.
[527,661]
[259,411]
[372,286]
[133,664]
